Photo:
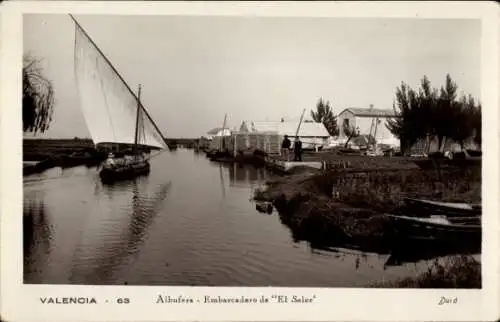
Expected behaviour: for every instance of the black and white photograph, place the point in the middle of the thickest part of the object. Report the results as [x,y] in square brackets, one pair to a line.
[240,151]
[249,153]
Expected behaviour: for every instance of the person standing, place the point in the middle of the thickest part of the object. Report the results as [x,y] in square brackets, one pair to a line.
[285,148]
[110,161]
[297,147]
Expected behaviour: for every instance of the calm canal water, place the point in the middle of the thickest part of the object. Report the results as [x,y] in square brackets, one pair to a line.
[190,222]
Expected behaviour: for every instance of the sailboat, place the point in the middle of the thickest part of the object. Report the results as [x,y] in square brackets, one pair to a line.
[113,113]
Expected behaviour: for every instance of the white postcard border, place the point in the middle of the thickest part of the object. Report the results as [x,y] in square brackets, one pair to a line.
[21,302]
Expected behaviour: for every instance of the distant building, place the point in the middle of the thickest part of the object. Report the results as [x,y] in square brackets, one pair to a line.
[368,121]
[218,132]
[311,134]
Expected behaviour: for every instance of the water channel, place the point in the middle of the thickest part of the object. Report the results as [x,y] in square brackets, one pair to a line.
[190,222]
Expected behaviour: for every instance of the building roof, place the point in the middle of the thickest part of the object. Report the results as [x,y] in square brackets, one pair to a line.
[370,112]
[289,128]
[216,130]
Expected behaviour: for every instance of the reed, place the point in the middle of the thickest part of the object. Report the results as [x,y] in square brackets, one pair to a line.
[456,272]
[384,191]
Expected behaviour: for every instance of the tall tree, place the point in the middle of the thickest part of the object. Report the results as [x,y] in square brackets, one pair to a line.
[445,113]
[467,121]
[38,97]
[351,132]
[431,113]
[409,112]
[324,114]
[476,123]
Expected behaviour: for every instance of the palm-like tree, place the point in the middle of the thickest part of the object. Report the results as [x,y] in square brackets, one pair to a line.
[324,114]
[38,97]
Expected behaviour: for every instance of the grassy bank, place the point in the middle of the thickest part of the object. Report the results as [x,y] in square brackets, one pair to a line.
[455,272]
[51,153]
[41,149]
[348,205]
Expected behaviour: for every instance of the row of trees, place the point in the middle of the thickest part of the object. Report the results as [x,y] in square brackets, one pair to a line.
[429,113]
[424,114]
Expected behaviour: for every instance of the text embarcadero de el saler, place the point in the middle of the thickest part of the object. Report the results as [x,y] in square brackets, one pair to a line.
[207,299]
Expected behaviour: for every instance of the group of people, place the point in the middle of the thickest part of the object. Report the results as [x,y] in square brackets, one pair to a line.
[111,161]
[297,148]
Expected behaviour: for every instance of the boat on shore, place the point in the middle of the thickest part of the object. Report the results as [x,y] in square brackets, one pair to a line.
[440,230]
[426,208]
[438,160]
[113,112]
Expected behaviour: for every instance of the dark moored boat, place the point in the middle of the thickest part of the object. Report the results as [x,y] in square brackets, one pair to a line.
[426,208]
[451,231]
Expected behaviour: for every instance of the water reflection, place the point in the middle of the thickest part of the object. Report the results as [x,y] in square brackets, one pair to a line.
[413,253]
[113,255]
[37,234]
[240,175]
[396,252]
[222,184]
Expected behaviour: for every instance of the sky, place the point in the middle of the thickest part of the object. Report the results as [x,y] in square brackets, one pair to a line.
[195,69]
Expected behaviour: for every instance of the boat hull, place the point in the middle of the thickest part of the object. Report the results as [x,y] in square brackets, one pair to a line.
[124,172]
[426,208]
[424,230]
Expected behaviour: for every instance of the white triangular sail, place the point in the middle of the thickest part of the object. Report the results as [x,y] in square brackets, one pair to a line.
[108,105]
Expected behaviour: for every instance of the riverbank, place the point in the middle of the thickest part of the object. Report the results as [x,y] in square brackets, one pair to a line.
[42,154]
[348,206]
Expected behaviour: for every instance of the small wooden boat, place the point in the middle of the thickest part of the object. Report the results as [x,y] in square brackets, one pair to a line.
[125,172]
[437,229]
[426,208]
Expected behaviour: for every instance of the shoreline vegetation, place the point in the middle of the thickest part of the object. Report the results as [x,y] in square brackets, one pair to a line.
[456,272]
[348,207]
[43,154]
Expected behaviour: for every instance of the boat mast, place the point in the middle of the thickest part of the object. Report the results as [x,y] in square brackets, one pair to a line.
[120,77]
[137,120]
[300,123]
[222,146]
[377,121]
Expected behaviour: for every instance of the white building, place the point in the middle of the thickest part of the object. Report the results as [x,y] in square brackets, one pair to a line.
[311,134]
[368,121]
[218,132]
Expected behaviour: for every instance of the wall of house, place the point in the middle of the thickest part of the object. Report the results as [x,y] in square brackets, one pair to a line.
[364,124]
[268,142]
[345,115]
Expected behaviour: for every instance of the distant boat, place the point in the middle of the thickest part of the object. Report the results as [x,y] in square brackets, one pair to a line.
[426,208]
[113,113]
[172,146]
